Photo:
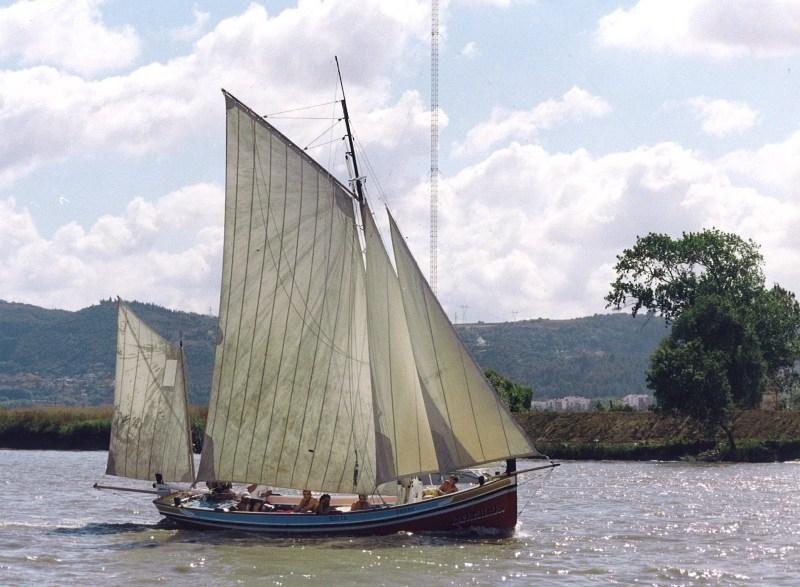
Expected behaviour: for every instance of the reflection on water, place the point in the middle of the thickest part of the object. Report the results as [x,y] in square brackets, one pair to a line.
[585,524]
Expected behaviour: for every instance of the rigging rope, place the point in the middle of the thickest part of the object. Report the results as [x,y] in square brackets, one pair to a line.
[297,109]
[542,480]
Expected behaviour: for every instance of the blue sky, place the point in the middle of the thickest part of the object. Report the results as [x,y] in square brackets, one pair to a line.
[568,128]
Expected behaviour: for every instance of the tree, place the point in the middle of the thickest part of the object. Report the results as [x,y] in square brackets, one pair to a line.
[666,275]
[517,397]
[730,335]
[710,362]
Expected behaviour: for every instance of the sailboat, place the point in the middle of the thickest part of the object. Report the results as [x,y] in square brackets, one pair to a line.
[335,370]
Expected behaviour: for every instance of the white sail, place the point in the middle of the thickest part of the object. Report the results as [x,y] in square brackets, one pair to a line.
[290,402]
[470,424]
[403,434]
[150,425]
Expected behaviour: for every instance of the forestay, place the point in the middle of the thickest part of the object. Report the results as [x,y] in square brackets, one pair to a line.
[470,424]
[291,403]
[150,426]
[403,434]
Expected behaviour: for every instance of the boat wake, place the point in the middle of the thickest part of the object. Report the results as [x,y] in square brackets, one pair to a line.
[100,529]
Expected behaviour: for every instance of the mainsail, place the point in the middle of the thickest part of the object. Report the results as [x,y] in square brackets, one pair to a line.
[150,427]
[291,403]
[469,422]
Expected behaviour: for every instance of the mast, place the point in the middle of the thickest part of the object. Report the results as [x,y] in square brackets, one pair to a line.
[356,179]
[188,415]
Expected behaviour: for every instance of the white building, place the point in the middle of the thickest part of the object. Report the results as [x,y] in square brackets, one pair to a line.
[572,403]
[638,401]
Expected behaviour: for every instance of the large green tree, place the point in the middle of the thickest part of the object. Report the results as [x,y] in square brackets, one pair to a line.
[730,334]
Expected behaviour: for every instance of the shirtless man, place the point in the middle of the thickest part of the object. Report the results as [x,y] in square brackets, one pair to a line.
[308,503]
[449,486]
[360,505]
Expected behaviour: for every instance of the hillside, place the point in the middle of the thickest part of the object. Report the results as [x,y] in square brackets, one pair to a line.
[67,358]
[597,356]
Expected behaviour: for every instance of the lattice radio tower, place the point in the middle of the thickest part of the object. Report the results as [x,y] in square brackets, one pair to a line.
[434,237]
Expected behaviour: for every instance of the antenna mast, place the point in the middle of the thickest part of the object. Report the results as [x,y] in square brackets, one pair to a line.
[434,236]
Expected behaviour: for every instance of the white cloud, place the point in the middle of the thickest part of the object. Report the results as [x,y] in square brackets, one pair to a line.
[154,106]
[192,31]
[135,255]
[470,50]
[720,118]
[66,33]
[530,231]
[761,28]
[575,105]
[773,168]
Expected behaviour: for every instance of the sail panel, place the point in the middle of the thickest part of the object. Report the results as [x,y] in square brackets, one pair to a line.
[469,422]
[150,425]
[288,378]
[403,433]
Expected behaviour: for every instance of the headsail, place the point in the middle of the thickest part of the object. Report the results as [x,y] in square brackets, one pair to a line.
[403,434]
[470,424]
[150,426]
[290,402]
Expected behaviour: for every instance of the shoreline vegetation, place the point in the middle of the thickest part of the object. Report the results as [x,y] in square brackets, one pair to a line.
[762,436]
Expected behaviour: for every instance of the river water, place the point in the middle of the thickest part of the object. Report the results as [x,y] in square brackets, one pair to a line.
[586,523]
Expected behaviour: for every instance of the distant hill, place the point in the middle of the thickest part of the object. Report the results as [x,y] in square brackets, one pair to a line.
[597,356]
[55,356]
[62,357]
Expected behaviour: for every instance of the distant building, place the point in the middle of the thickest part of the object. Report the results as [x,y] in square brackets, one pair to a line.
[572,403]
[638,401]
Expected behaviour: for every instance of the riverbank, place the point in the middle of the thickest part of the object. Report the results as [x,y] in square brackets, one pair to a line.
[67,428]
[761,435]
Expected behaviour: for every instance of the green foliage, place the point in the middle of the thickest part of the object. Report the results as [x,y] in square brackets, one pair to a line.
[516,397]
[730,334]
[666,275]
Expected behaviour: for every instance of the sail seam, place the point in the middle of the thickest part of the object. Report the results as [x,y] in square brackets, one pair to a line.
[242,309]
[216,456]
[265,220]
[274,298]
[289,307]
[344,377]
[302,321]
[316,344]
[267,246]
[335,260]
[348,374]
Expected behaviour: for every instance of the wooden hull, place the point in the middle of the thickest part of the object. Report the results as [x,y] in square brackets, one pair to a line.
[490,508]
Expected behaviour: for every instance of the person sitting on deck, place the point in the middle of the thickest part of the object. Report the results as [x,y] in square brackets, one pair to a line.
[360,505]
[221,490]
[308,503]
[449,486]
[324,506]
[244,504]
[260,503]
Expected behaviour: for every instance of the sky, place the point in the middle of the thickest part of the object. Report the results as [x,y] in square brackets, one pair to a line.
[567,129]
